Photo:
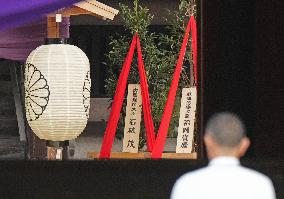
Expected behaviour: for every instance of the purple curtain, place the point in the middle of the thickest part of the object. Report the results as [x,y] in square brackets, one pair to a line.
[17,43]
[14,13]
[16,40]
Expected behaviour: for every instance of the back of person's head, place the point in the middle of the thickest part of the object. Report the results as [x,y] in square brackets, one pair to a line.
[226,132]
[226,129]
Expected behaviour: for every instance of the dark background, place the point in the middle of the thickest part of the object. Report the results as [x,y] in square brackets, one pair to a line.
[228,60]
[243,68]
[269,72]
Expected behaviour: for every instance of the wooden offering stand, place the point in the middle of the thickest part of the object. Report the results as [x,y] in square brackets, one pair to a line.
[144,155]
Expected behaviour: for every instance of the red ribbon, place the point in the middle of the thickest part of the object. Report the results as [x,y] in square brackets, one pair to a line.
[118,101]
[167,114]
[155,146]
[194,47]
[146,104]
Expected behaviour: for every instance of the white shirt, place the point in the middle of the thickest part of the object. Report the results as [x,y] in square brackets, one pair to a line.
[223,178]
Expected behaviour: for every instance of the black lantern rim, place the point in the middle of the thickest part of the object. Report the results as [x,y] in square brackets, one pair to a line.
[57,143]
[48,41]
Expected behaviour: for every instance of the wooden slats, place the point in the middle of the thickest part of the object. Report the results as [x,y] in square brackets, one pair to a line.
[94,9]
[73,11]
[98,8]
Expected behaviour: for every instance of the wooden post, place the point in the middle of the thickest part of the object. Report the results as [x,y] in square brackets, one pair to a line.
[52,27]
[200,95]
[18,102]
[71,149]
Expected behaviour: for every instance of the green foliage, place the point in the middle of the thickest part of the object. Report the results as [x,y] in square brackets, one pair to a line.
[160,53]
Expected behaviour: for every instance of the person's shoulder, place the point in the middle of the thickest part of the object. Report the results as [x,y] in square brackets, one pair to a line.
[255,175]
[261,183]
[188,184]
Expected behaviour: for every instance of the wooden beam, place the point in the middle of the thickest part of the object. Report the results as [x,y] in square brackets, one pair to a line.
[73,11]
[179,156]
[88,7]
[146,155]
[98,8]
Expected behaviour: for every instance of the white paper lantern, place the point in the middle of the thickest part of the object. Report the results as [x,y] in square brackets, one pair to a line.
[57,91]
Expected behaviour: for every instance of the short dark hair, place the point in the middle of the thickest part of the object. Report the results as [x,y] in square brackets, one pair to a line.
[226,129]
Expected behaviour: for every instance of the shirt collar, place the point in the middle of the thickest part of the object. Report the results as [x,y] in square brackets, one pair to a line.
[224,161]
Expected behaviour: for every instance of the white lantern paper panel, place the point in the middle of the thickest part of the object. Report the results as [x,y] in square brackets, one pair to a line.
[57,91]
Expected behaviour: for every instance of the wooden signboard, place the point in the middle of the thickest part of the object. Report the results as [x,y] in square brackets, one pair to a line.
[132,119]
[186,120]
